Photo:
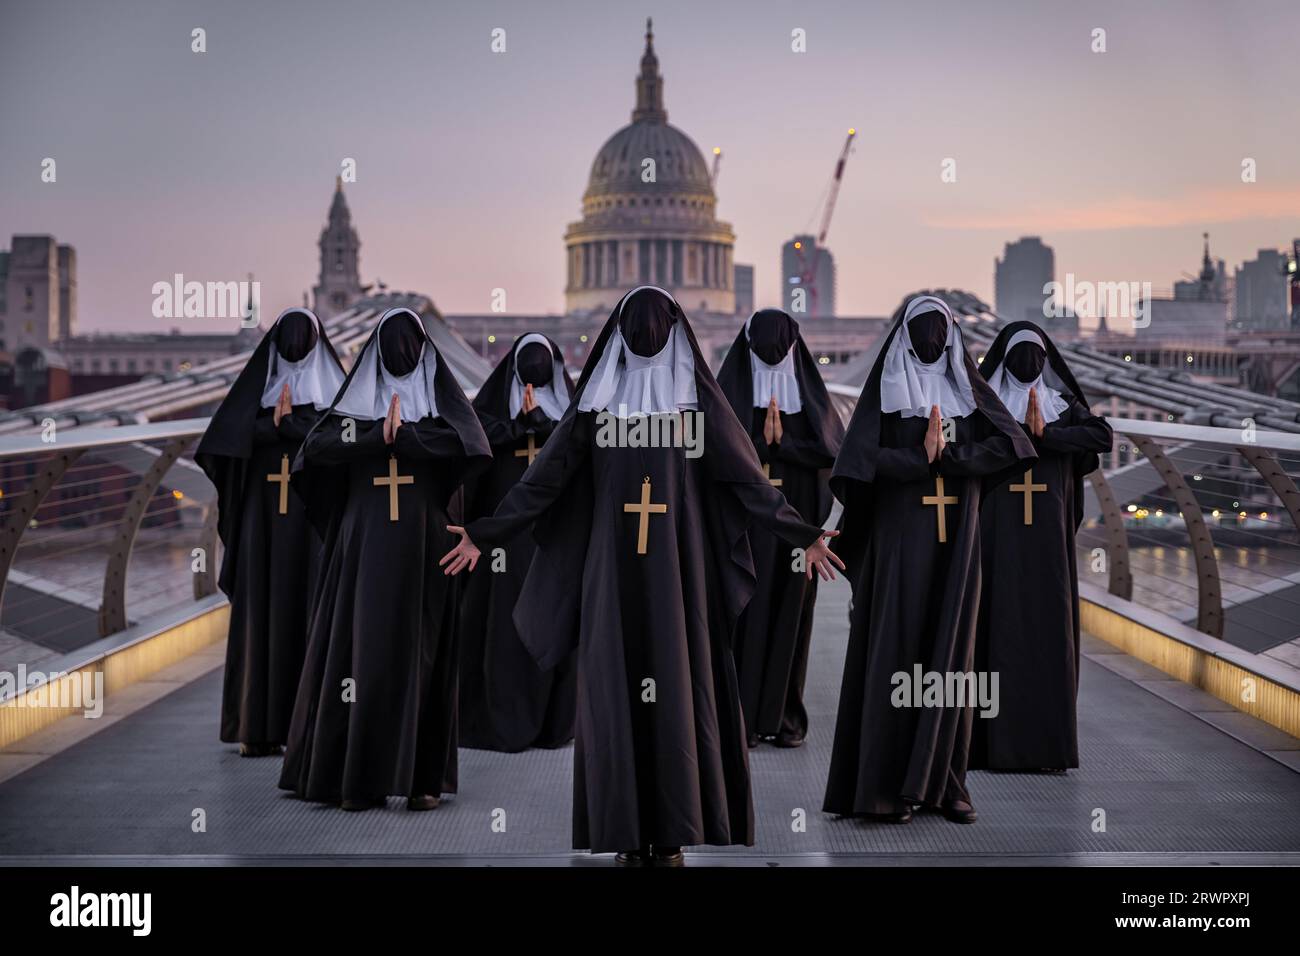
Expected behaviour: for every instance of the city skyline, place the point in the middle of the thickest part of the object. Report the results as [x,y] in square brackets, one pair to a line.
[470,163]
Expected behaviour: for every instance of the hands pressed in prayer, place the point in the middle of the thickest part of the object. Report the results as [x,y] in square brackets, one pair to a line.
[820,556]
[393,420]
[1034,415]
[772,430]
[283,405]
[934,443]
[464,555]
[530,402]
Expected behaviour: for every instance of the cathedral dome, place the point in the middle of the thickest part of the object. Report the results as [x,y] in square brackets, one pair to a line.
[679,165]
[649,214]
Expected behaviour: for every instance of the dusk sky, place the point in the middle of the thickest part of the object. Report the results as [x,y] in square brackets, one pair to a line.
[470,163]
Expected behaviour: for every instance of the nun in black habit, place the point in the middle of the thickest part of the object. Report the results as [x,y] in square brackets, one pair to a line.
[375,714]
[507,702]
[643,564]
[773,385]
[911,497]
[271,551]
[1029,614]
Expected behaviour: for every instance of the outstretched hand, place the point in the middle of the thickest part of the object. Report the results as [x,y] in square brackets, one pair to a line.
[820,556]
[464,555]
[934,443]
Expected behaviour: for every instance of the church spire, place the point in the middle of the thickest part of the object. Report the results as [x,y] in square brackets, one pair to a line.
[1207,275]
[649,85]
[339,215]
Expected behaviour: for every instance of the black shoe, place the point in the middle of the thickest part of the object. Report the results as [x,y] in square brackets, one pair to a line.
[668,856]
[752,740]
[788,740]
[273,750]
[252,750]
[900,816]
[633,858]
[959,811]
[357,805]
[425,801]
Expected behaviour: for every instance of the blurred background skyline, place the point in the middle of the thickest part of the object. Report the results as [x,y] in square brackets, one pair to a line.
[470,163]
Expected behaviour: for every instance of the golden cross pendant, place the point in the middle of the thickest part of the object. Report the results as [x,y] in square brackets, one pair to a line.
[767,473]
[530,451]
[939,500]
[392,481]
[282,476]
[646,509]
[1027,488]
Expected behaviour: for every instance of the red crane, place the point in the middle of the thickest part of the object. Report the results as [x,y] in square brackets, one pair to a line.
[808,265]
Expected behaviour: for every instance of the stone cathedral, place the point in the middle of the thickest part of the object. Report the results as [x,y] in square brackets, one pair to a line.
[649,215]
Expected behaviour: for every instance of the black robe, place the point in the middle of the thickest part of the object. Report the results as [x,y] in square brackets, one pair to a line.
[270,560]
[270,588]
[673,771]
[915,601]
[775,631]
[507,702]
[385,622]
[1029,614]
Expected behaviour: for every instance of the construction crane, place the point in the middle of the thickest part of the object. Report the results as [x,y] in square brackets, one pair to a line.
[808,264]
[717,164]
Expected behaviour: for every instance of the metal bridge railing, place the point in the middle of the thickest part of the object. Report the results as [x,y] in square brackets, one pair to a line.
[99,527]
[1202,524]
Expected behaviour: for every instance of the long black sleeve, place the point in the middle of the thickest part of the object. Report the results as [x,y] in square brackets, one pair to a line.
[264,430]
[986,454]
[902,464]
[801,451]
[326,444]
[769,509]
[508,432]
[427,439]
[294,427]
[1077,431]
[525,502]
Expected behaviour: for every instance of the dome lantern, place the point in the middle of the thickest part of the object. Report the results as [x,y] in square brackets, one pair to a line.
[649,85]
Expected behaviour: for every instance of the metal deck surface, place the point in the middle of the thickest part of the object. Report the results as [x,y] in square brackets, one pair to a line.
[1173,788]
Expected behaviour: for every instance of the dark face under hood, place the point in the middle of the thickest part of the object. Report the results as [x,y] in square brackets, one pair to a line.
[647,320]
[771,333]
[400,342]
[928,333]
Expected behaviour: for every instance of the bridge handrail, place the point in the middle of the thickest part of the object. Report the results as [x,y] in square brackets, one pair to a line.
[1167,431]
[88,437]
[1252,459]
